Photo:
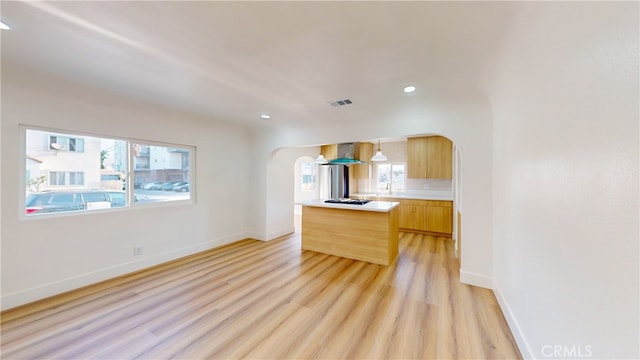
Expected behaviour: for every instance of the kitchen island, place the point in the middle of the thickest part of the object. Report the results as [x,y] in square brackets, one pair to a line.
[366,232]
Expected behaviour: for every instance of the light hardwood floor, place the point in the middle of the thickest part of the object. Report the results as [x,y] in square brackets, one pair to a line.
[270,300]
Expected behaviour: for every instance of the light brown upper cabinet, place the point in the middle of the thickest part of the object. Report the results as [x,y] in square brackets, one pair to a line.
[329,152]
[417,158]
[429,157]
[366,152]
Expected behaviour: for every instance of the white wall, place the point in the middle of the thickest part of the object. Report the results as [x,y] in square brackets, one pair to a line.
[280,198]
[46,256]
[463,118]
[565,105]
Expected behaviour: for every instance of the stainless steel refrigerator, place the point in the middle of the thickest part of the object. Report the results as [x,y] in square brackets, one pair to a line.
[333,181]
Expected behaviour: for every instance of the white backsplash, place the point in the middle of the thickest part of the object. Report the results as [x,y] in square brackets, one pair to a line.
[425,187]
[364,186]
[429,184]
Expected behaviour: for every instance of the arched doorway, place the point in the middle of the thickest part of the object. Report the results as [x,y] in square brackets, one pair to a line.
[305,185]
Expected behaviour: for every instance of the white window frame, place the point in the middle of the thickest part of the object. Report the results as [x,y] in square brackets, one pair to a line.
[131,204]
[377,176]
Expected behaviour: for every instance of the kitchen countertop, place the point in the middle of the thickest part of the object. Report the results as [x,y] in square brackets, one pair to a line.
[379,206]
[443,197]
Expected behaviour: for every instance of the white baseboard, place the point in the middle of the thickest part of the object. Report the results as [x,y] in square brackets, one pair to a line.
[283,232]
[474,279]
[271,235]
[22,297]
[523,345]
[255,236]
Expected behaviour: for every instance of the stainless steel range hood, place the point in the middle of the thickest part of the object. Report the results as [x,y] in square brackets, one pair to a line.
[347,154]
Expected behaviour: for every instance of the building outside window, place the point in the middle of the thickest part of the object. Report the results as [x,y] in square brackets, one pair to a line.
[66,178]
[66,143]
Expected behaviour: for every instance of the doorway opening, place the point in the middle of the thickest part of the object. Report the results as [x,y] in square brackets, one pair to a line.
[305,175]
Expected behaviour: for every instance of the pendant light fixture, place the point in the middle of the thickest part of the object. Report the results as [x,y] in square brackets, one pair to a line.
[379,156]
[321,160]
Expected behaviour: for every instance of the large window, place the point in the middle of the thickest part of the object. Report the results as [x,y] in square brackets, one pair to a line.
[72,172]
[391,178]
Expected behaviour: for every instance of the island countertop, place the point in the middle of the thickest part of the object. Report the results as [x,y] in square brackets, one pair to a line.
[378,206]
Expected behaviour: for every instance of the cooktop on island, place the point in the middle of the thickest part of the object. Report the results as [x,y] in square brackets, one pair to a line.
[347,201]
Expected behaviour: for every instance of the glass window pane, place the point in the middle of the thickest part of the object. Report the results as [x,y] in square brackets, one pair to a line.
[384,177]
[100,175]
[53,188]
[118,198]
[63,198]
[162,173]
[95,196]
[80,145]
[398,178]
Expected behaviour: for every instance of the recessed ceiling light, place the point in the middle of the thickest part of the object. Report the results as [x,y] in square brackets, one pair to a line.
[4,26]
[265,116]
[409,89]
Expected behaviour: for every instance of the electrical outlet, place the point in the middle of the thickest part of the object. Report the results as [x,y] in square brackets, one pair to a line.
[137,250]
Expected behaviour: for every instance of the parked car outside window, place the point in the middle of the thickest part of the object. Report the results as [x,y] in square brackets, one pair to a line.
[168,186]
[60,201]
[182,188]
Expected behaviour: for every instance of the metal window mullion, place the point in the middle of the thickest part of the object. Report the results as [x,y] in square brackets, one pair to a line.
[129,177]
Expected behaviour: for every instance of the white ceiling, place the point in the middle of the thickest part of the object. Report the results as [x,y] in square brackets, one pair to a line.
[235,60]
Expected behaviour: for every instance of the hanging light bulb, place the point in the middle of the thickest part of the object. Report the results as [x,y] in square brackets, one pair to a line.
[379,156]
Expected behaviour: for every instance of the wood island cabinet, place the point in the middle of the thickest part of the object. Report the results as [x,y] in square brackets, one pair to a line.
[429,157]
[367,233]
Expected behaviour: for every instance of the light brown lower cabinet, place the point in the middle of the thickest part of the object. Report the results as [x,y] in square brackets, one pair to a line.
[413,215]
[439,216]
[431,216]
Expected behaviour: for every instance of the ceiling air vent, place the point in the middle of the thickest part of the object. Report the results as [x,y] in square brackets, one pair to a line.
[341,102]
